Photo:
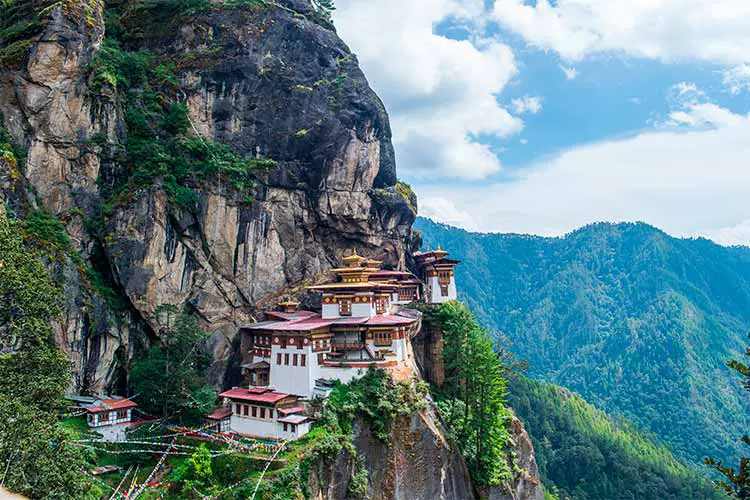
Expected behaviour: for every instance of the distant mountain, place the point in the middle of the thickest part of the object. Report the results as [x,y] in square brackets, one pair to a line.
[640,323]
[583,454]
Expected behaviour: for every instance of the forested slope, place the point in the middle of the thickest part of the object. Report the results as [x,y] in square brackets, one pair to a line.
[640,323]
[585,455]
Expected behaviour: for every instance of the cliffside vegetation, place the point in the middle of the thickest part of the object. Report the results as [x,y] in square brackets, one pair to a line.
[639,323]
[162,145]
[36,454]
[472,399]
[583,454]
[170,377]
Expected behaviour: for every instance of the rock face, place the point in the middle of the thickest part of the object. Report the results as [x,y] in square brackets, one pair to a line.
[273,81]
[416,463]
[527,485]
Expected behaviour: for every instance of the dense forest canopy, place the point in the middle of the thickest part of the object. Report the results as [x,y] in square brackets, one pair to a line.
[585,455]
[641,324]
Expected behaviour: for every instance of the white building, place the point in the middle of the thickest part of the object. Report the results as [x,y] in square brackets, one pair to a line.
[299,353]
[265,413]
[438,275]
[110,417]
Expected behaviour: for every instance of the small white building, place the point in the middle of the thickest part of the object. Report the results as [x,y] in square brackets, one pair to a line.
[110,417]
[438,275]
[220,420]
[264,413]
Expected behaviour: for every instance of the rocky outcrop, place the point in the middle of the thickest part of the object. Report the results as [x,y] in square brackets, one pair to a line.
[272,80]
[417,461]
[44,105]
[527,485]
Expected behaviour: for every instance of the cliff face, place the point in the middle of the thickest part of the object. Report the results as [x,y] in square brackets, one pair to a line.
[271,80]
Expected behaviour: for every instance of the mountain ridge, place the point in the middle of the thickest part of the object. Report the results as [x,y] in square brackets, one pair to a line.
[638,322]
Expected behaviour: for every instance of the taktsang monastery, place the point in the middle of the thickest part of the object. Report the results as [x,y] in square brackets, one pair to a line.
[297,354]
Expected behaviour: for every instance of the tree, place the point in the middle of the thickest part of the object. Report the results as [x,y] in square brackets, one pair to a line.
[475,386]
[737,481]
[28,298]
[168,379]
[37,458]
[324,7]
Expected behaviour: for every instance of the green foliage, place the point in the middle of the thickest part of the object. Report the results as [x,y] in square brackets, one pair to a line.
[639,323]
[34,448]
[28,299]
[169,377]
[195,474]
[324,8]
[407,194]
[472,399]
[736,483]
[377,400]
[161,145]
[585,455]
[47,230]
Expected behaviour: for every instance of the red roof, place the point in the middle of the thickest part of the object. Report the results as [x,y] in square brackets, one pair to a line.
[220,413]
[290,411]
[255,395]
[316,322]
[111,404]
[389,320]
[290,316]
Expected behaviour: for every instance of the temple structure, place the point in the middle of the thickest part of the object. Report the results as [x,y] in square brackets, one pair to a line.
[359,326]
[436,270]
[362,323]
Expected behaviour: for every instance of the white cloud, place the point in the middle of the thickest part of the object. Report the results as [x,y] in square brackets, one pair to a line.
[737,79]
[526,104]
[693,110]
[739,234]
[570,72]
[440,92]
[686,182]
[708,30]
[444,210]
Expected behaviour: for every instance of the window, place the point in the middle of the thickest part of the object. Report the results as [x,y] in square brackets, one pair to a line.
[320,358]
[278,358]
[262,413]
[285,427]
[380,305]
[122,414]
[294,427]
[382,338]
[444,290]
[286,359]
[303,360]
[255,411]
[244,410]
[345,307]
[237,409]
[294,359]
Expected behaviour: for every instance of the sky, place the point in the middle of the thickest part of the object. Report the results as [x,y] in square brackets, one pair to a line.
[541,116]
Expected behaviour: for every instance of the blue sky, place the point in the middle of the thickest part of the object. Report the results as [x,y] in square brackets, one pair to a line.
[540,117]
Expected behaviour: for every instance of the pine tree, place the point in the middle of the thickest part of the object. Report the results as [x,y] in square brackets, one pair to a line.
[737,481]
[324,7]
